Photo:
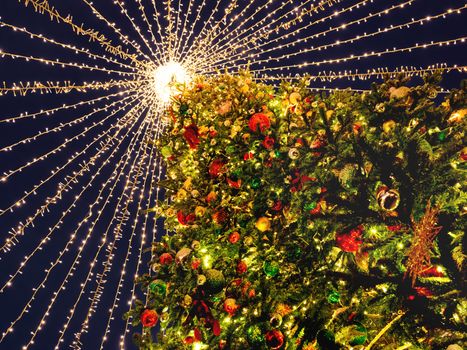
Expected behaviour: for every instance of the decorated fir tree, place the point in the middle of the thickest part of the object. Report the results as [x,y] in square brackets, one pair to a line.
[299,220]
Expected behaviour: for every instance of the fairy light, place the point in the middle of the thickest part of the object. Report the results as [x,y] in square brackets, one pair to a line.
[173,42]
[76,261]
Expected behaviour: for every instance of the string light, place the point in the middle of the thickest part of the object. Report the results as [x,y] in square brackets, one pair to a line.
[119,118]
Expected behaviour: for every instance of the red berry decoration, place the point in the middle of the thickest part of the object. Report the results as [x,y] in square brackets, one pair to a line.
[268,142]
[241,267]
[259,122]
[274,339]
[217,167]
[166,259]
[230,306]
[350,241]
[149,318]
[234,237]
[191,136]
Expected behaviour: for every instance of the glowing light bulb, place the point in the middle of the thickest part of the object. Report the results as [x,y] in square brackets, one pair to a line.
[166,79]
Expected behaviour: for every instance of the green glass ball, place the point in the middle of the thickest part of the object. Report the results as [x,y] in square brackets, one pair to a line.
[310,206]
[255,183]
[442,136]
[361,336]
[277,153]
[215,281]
[158,286]
[184,109]
[271,268]
[230,149]
[255,335]
[334,297]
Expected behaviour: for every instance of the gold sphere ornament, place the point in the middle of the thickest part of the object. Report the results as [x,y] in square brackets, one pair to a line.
[263,224]
[389,126]
[295,98]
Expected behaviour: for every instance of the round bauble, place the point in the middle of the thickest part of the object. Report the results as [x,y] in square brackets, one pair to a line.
[263,224]
[334,297]
[215,281]
[271,268]
[294,153]
[158,287]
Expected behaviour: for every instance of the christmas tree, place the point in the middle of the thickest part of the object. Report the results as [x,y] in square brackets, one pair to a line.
[302,220]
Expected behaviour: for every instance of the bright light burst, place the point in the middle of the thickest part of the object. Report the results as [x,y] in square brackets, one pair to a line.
[79,171]
[167,78]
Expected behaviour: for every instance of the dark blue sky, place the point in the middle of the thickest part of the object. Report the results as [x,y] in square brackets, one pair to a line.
[15,298]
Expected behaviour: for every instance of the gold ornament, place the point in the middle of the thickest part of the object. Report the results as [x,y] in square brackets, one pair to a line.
[389,126]
[263,224]
[295,98]
[457,116]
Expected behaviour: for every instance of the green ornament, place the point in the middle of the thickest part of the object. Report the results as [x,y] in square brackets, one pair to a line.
[355,334]
[277,153]
[442,136]
[230,149]
[184,109]
[158,287]
[218,231]
[361,336]
[255,335]
[255,183]
[166,151]
[215,281]
[310,206]
[271,268]
[334,297]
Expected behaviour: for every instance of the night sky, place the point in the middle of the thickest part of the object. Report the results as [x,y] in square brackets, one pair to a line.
[15,298]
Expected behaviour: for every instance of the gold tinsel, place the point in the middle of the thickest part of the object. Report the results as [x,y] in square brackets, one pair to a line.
[419,253]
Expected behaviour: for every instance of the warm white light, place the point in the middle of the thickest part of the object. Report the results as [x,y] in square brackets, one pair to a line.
[166,79]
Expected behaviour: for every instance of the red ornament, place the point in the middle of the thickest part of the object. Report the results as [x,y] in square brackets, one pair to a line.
[149,318]
[234,184]
[248,156]
[241,267]
[217,167]
[351,241]
[230,306]
[216,328]
[268,142]
[198,335]
[189,340]
[191,135]
[234,237]
[185,219]
[274,339]
[219,217]
[259,122]
[195,264]
[166,259]
[277,206]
